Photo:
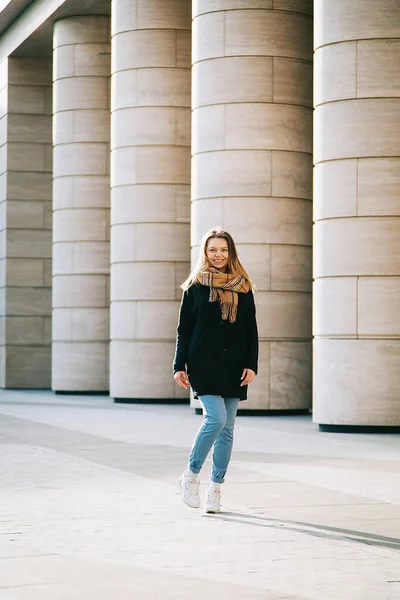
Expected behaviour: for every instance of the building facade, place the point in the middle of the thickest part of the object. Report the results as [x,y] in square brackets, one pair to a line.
[129,128]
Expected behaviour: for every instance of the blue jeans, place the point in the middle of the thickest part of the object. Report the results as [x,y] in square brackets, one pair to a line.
[217,429]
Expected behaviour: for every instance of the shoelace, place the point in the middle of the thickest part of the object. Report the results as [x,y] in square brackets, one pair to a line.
[213,496]
[192,486]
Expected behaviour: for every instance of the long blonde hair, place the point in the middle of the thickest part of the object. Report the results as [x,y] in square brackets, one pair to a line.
[234,266]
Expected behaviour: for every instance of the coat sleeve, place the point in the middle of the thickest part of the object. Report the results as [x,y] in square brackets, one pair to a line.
[184,333]
[251,336]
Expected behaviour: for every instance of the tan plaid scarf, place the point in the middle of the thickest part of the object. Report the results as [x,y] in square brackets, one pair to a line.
[224,287]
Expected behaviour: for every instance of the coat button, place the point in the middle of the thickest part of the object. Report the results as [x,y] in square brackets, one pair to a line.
[221,322]
[224,349]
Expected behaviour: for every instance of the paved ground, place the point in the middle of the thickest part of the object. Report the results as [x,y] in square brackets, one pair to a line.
[90,509]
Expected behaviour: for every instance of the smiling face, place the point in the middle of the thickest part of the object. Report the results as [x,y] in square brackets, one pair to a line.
[217,253]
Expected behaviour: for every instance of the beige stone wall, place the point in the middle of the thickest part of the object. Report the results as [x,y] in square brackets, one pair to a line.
[81,130]
[252,170]
[3,213]
[150,196]
[357,213]
[25,223]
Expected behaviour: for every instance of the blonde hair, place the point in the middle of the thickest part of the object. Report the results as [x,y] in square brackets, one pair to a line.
[234,266]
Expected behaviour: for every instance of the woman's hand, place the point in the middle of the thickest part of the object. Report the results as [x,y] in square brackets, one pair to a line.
[247,377]
[182,379]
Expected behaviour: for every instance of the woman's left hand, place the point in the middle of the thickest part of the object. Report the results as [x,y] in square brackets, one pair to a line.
[247,377]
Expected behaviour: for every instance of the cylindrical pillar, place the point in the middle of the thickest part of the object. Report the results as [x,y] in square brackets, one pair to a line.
[252,171]
[81,204]
[25,222]
[357,213]
[150,195]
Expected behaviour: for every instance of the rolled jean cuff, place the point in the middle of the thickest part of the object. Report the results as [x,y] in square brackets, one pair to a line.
[194,470]
[217,479]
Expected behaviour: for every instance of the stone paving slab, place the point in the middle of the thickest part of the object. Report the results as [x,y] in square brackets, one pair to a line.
[51,577]
[89,507]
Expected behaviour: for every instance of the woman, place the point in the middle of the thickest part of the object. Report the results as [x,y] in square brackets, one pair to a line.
[216,354]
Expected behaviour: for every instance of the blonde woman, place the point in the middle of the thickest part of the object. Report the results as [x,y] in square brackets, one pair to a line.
[216,354]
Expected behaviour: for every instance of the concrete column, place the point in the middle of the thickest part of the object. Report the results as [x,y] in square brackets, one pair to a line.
[357,213]
[150,197]
[252,170]
[81,204]
[25,222]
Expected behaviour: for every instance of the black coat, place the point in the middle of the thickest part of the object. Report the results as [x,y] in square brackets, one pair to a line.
[212,351]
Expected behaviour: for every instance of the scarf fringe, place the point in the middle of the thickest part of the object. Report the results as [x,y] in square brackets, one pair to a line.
[226,292]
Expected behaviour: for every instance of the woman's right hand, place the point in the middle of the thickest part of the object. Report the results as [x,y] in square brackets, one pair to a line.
[182,379]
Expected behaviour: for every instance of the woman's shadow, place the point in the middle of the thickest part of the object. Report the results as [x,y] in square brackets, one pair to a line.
[311,529]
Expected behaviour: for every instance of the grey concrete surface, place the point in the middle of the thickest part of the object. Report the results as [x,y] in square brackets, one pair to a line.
[90,508]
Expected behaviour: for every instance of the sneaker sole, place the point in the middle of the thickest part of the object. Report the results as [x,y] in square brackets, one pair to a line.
[183,497]
[212,511]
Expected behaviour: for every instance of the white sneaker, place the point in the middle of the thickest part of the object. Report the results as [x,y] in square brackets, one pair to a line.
[190,490]
[213,499]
